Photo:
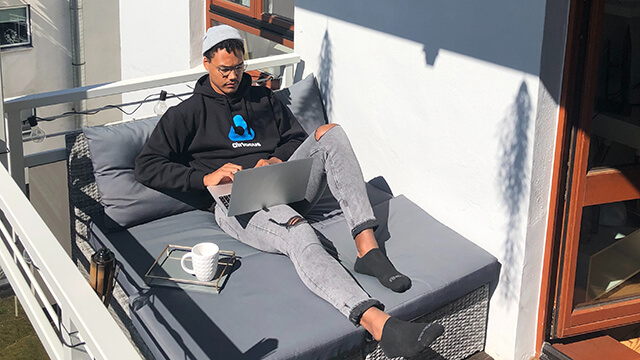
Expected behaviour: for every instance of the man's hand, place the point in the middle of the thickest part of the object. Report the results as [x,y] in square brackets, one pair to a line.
[221,176]
[272,160]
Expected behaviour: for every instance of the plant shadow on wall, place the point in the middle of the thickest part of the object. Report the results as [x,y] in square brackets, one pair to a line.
[325,73]
[514,183]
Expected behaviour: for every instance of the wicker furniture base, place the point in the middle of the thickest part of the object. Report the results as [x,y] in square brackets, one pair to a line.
[465,324]
[85,207]
[464,321]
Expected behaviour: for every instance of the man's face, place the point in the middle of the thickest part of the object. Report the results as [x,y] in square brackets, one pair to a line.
[225,71]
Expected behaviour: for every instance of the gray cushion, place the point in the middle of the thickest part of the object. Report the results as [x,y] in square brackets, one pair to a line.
[265,311]
[258,312]
[305,102]
[442,264]
[113,153]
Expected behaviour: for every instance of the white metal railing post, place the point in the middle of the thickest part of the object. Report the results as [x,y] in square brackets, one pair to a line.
[287,75]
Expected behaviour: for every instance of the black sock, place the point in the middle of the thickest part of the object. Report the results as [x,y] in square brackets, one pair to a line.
[375,263]
[401,338]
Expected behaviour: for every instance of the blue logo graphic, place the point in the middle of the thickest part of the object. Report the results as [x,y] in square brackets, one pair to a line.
[246,132]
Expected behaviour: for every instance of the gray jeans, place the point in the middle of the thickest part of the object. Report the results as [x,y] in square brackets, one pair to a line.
[278,231]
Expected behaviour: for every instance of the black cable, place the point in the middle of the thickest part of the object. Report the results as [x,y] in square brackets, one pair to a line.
[92,111]
[95,111]
[121,109]
[177,96]
[33,118]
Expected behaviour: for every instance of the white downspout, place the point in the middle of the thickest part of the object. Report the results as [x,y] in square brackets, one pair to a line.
[77,58]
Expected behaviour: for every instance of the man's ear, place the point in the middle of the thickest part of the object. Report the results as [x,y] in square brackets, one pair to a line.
[205,62]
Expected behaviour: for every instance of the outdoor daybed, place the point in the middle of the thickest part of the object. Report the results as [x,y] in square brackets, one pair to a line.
[264,310]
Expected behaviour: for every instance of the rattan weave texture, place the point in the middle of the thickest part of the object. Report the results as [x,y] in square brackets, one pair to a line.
[464,321]
[85,207]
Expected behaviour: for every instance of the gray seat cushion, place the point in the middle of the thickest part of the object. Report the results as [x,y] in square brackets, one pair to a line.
[265,311]
[442,264]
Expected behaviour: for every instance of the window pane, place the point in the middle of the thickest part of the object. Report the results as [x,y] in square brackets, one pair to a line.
[615,138]
[609,253]
[14,27]
[282,8]
[246,3]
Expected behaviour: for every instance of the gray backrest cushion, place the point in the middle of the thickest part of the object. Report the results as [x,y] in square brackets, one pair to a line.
[113,152]
[114,149]
[305,102]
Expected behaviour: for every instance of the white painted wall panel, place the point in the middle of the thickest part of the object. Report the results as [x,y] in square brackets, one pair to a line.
[158,37]
[442,99]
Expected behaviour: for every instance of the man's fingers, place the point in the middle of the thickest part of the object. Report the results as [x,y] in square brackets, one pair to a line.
[228,173]
[232,167]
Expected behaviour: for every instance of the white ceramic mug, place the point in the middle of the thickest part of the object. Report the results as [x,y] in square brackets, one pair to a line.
[204,257]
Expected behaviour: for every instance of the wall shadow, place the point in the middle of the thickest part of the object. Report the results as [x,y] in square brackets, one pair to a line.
[325,74]
[502,32]
[514,183]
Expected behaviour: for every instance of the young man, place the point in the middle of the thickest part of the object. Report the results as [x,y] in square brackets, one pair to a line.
[228,125]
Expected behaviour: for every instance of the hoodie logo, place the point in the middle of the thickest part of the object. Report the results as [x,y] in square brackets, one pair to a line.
[240,131]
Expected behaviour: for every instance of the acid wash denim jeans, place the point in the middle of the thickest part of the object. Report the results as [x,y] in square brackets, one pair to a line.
[282,229]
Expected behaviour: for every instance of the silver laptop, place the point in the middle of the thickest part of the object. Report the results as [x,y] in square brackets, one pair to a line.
[261,187]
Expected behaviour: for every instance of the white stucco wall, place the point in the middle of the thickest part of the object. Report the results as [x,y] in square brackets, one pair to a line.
[102,54]
[442,100]
[158,37]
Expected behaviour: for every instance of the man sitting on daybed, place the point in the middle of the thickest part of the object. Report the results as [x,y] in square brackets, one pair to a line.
[203,142]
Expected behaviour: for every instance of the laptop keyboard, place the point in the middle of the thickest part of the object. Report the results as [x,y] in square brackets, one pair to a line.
[225,200]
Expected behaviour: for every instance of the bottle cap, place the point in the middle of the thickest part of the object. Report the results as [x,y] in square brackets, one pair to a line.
[103,255]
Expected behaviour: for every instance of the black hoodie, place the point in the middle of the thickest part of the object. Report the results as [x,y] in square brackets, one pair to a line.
[208,130]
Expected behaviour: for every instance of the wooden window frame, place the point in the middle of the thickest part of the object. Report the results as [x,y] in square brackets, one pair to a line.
[252,20]
[575,188]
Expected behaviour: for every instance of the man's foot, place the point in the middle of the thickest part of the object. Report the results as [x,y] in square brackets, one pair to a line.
[375,263]
[401,338]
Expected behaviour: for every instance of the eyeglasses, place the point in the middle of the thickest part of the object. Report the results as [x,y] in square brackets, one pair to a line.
[226,70]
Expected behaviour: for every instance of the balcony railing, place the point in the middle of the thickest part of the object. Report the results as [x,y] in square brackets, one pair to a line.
[68,317]
[41,273]
[15,108]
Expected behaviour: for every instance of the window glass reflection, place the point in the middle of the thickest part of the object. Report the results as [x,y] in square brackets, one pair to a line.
[608,265]
[283,8]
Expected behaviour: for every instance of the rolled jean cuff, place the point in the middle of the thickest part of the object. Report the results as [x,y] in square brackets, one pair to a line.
[368,224]
[356,313]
